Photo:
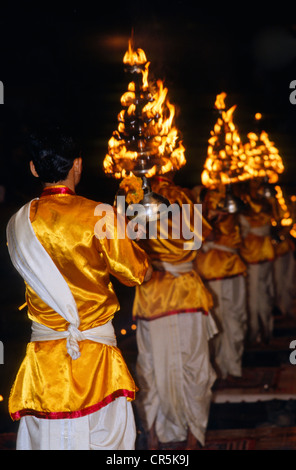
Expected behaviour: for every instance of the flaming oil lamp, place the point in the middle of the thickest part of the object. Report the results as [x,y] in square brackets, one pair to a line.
[226,160]
[154,204]
[145,142]
[264,160]
[282,223]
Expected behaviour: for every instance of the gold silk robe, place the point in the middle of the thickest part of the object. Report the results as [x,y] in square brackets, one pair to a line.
[166,294]
[49,384]
[284,246]
[218,263]
[255,248]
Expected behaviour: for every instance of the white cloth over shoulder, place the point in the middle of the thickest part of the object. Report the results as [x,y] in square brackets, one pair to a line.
[37,268]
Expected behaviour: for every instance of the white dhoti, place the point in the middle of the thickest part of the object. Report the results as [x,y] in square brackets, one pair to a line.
[284,279]
[175,375]
[105,429]
[260,288]
[230,311]
[260,300]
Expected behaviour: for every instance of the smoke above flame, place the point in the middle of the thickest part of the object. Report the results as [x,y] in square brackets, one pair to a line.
[146,125]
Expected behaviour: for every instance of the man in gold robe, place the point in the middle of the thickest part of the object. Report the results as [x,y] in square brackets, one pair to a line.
[257,251]
[224,273]
[174,325]
[73,390]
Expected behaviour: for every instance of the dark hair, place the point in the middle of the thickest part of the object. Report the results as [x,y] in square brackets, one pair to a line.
[53,154]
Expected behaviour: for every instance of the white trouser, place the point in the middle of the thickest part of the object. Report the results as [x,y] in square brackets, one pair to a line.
[260,299]
[230,311]
[175,375]
[111,428]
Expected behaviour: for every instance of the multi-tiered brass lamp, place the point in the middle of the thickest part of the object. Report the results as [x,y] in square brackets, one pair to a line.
[226,161]
[145,142]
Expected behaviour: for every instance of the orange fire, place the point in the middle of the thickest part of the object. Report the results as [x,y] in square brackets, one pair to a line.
[158,138]
[220,100]
[283,215]
[263,157]
[230,161]
[293,215]
[133,57]
[226,159]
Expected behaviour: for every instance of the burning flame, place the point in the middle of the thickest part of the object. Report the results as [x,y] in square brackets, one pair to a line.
[258,116]
[263,157]
[230,161]
[220,101]
[293,215]
[284,217]
[157,137]
[226,160]
[133,57]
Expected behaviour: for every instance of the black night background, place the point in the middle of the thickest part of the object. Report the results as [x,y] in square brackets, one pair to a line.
[63,64]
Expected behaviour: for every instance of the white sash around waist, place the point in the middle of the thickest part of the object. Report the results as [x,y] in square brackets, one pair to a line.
[100,334]
[206,246]
[262,231]
[175,269]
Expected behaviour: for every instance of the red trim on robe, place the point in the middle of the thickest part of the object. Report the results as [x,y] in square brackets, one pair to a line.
[259,262]
[173,312]
[224,277]
[74,414]
[50,191]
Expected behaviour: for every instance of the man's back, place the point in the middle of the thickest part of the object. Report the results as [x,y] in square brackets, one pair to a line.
[49,383]
[65,226]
